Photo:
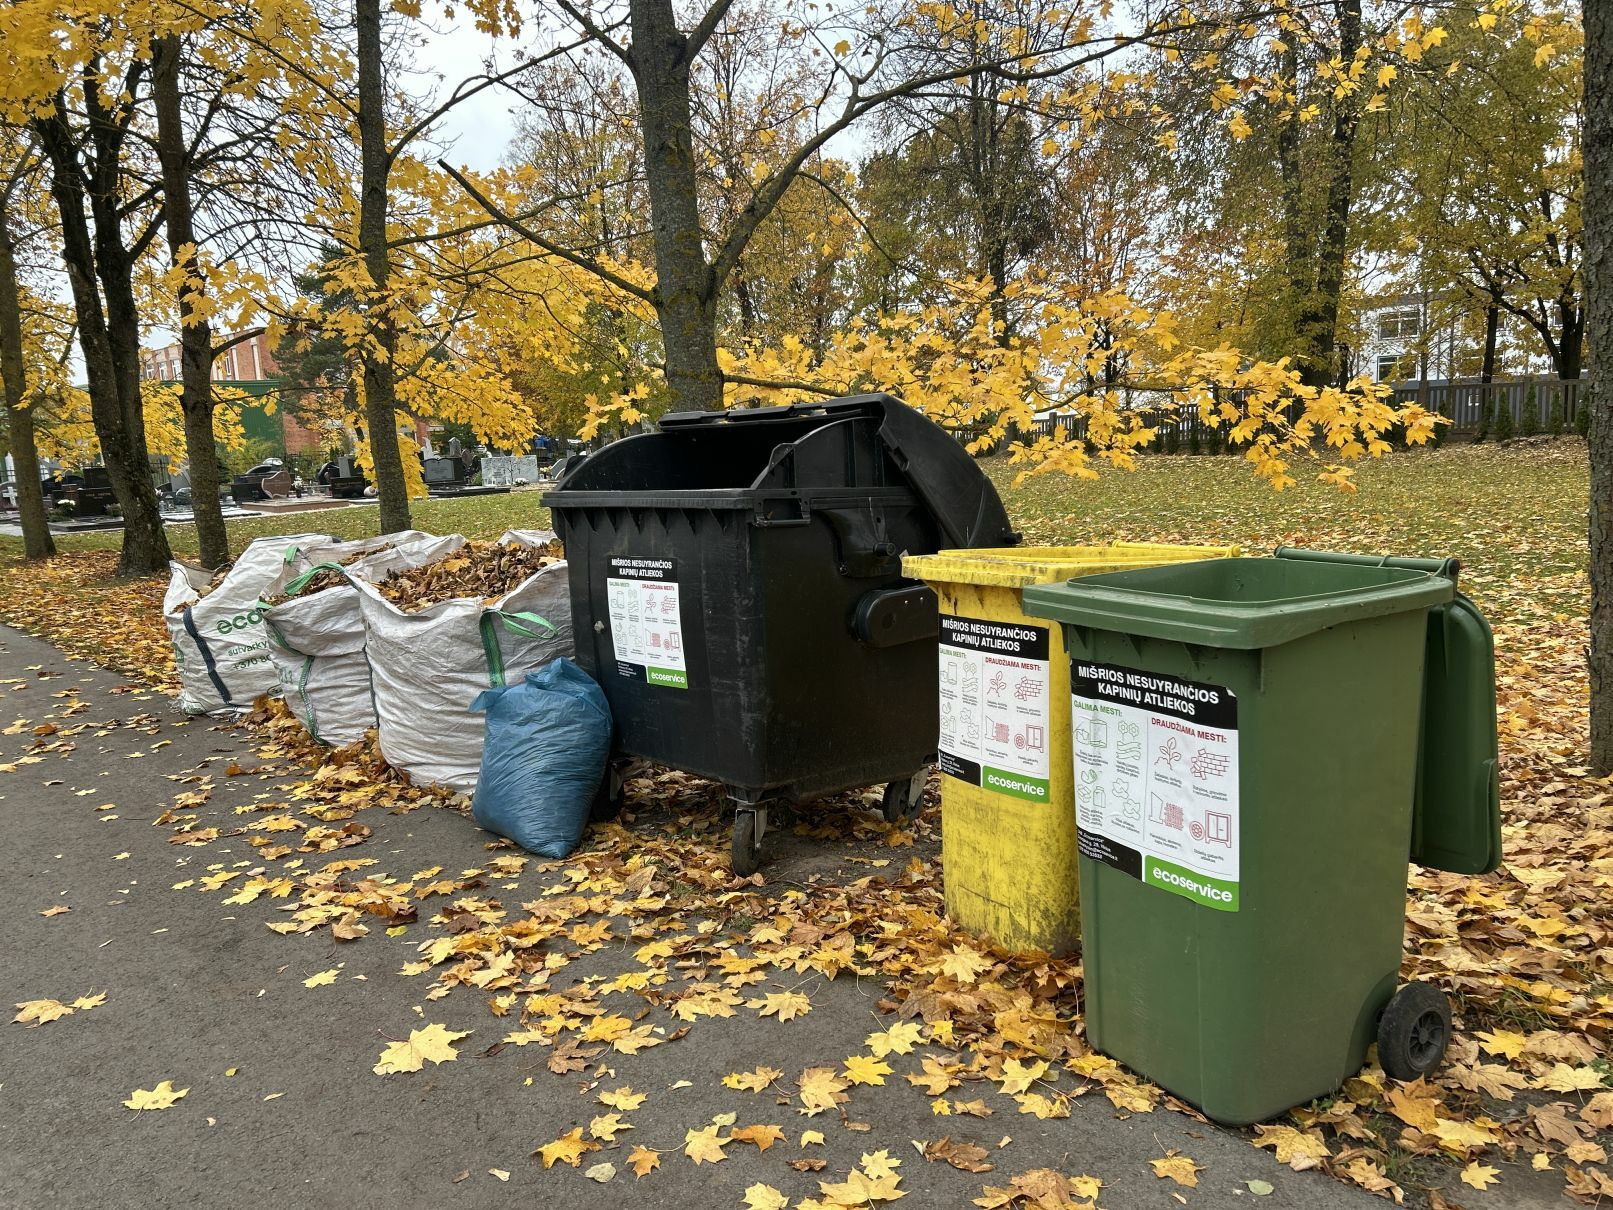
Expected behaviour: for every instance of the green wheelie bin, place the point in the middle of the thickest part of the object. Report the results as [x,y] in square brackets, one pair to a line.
[1254,772]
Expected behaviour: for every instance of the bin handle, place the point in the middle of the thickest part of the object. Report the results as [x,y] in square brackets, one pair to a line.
[1449,568]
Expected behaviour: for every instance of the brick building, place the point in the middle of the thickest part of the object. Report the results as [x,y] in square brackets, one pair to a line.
[249,365]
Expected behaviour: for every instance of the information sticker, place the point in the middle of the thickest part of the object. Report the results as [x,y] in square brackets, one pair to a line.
[1156,779]
[994,705]
[645,619]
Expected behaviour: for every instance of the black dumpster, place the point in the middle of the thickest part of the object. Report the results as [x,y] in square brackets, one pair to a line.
[736,587]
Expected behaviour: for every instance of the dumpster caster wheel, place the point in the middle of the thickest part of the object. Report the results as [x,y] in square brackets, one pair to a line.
[1413,1032]
[745,850]
[611,795]
[904,798]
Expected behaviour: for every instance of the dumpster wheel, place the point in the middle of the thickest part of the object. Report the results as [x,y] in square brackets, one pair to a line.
[611,796]
[903,799]
[745,848]
[1413,1032]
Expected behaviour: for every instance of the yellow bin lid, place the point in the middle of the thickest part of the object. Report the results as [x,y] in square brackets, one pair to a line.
[1018,566]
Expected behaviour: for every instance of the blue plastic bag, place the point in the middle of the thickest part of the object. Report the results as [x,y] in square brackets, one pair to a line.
[548,738]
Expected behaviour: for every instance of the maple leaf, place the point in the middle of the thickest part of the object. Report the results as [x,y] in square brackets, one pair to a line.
[643,1161]
[963,964]
[899,1039]
[58,910]
[1018,1077]
[1502,1042]
[820,1088]
[623,1098]
[703,1146]
[752,1081]
[39,1012]
[429,1044]
[1480,1176]
[764,1197]
[786,1006]
[93,1000]
[967,1157]
[1598,1111]
[1044,1107]
[1296,1148]
[607,1126]
[763,1136]
[859,1189]
[864,1069]
[936,1078]
[569,1148]
[879,1164]
[641,1038]
[812,1138]
[162,1096]
[1563,1078]
[601,1172]
[1178,1168]
[322,979]
[1459,1138]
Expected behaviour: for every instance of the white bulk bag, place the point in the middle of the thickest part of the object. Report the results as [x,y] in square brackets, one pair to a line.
[318,640]
[220,646]
[426,668]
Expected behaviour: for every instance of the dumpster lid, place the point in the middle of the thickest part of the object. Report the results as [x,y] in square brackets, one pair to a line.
[1243,604]
[956,491]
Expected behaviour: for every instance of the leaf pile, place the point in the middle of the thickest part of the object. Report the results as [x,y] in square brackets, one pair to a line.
[318,582]
[478,569]
[77,602]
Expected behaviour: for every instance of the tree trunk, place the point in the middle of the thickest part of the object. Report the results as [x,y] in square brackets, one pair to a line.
[1319,317]
[379,361]
[1598,213]
[126,454]
[1571,317]
[1492,329]
[36,540]
[195,333]
[109,338]
[686,288]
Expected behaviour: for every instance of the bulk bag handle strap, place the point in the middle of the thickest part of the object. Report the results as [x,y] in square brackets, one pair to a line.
[531,625]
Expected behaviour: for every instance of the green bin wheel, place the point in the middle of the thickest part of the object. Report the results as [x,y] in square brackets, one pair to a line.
[904,798]
[745,848]
[1413,1032]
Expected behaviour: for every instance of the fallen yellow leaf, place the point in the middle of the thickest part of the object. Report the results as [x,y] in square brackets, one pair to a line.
[430,1044]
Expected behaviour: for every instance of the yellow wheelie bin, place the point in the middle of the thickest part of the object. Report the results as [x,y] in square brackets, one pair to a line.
[1008,793]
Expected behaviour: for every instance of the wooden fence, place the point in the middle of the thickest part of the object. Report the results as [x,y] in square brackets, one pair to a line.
[1466,401]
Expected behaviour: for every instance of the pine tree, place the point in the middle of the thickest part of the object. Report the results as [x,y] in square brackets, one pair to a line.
[1505,422]
[1531,414]
[1582,416]
[1557,425]
[1486,420]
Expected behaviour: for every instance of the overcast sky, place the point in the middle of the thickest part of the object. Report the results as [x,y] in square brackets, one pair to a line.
[480,127]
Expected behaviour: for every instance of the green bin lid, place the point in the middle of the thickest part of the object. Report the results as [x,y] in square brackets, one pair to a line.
[1237,603]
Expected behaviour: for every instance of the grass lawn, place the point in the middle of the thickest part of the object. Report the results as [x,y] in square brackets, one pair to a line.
[1502,511]
[1514,515]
